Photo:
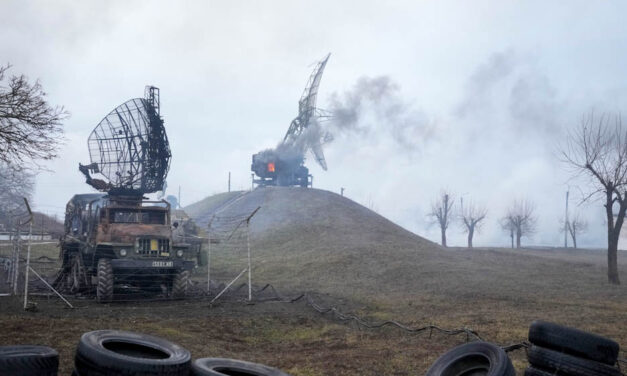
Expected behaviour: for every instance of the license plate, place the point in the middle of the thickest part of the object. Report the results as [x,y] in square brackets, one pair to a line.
[162,264]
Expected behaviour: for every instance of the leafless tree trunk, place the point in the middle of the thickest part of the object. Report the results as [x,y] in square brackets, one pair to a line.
[441,211]
[598,149]
[30,128]
[519,220]
[471,217]
[575,227]
[14,186]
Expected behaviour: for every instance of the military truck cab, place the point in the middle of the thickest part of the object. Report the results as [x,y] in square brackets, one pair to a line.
[122,241]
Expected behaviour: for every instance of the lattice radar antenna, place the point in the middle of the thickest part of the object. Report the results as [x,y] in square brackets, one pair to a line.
[309,117]
[130,148]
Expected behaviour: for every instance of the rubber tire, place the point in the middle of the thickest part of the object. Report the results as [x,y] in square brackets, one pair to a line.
[532,371]
[94,359]
[216,366]
[180,284]
[77,271]
[568,364]
[480,356]
[574,342]
[104,289]
[28,360]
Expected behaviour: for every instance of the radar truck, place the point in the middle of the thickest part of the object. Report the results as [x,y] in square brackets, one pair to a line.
[118,239]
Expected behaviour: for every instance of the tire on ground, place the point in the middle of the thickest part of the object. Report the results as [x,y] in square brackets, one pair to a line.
[533,371]
[563,363]
[481,358]
[104,289]
[179,284]
[27,360]
[573,341]
[223,366]
[114,352]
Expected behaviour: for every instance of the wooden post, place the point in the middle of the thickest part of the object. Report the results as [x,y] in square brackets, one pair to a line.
[250,287]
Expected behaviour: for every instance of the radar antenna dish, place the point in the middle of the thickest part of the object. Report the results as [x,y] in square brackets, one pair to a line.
[309,117]
[130,148]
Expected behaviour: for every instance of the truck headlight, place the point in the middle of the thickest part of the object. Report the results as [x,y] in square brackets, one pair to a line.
[179,253]
[122,252]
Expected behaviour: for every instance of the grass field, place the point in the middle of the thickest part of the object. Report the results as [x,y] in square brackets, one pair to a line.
[363,264]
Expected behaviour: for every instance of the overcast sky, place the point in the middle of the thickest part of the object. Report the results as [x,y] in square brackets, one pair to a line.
[477,93]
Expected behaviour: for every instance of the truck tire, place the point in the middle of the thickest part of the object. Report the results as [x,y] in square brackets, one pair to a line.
[104,289]
[77,279]
[222,367]
[573,341]
[114,352]
[563,363]
[475,358]
[27,360]
[179,284]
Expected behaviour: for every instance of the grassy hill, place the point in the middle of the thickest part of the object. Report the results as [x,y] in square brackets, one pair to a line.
[314,240]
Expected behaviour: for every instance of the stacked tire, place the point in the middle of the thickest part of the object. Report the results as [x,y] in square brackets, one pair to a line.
[119,353]
[114,352]
[473,359]
[229,367]
[27,360]
[560,350]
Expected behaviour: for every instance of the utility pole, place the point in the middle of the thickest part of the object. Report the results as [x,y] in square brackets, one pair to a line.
[566,224]
[229,181]
[179,203]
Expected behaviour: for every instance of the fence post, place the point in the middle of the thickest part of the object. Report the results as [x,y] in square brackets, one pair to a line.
[250,287]
[16,263]
[209,264]
[30,236]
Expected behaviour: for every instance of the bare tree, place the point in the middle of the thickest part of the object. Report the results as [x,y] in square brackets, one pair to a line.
[30,128]
[471,217]
[519,220]
[598,150]
[14,185]
[576,226]
[441,211]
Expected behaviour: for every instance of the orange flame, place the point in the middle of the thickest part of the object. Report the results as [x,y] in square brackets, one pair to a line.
[271,167]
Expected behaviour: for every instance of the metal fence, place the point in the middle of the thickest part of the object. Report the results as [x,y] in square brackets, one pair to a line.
[32,270]
[19,260]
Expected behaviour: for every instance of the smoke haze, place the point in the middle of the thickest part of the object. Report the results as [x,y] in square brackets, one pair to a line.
[419,105]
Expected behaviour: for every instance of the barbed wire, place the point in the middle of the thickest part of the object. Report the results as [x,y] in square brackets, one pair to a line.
[470,333]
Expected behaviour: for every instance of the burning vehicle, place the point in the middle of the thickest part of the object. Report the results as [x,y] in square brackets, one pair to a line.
[119,237]
[285,164]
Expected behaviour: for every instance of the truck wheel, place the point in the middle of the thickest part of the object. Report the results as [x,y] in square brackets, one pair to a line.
[76,275]
[104,290]
[115,352]
[222,367]
[179,284]
[28,360]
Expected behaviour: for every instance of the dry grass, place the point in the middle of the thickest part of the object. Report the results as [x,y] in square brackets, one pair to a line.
[358,261]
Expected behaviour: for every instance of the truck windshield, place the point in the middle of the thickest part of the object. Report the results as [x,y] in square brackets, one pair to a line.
[135,216]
